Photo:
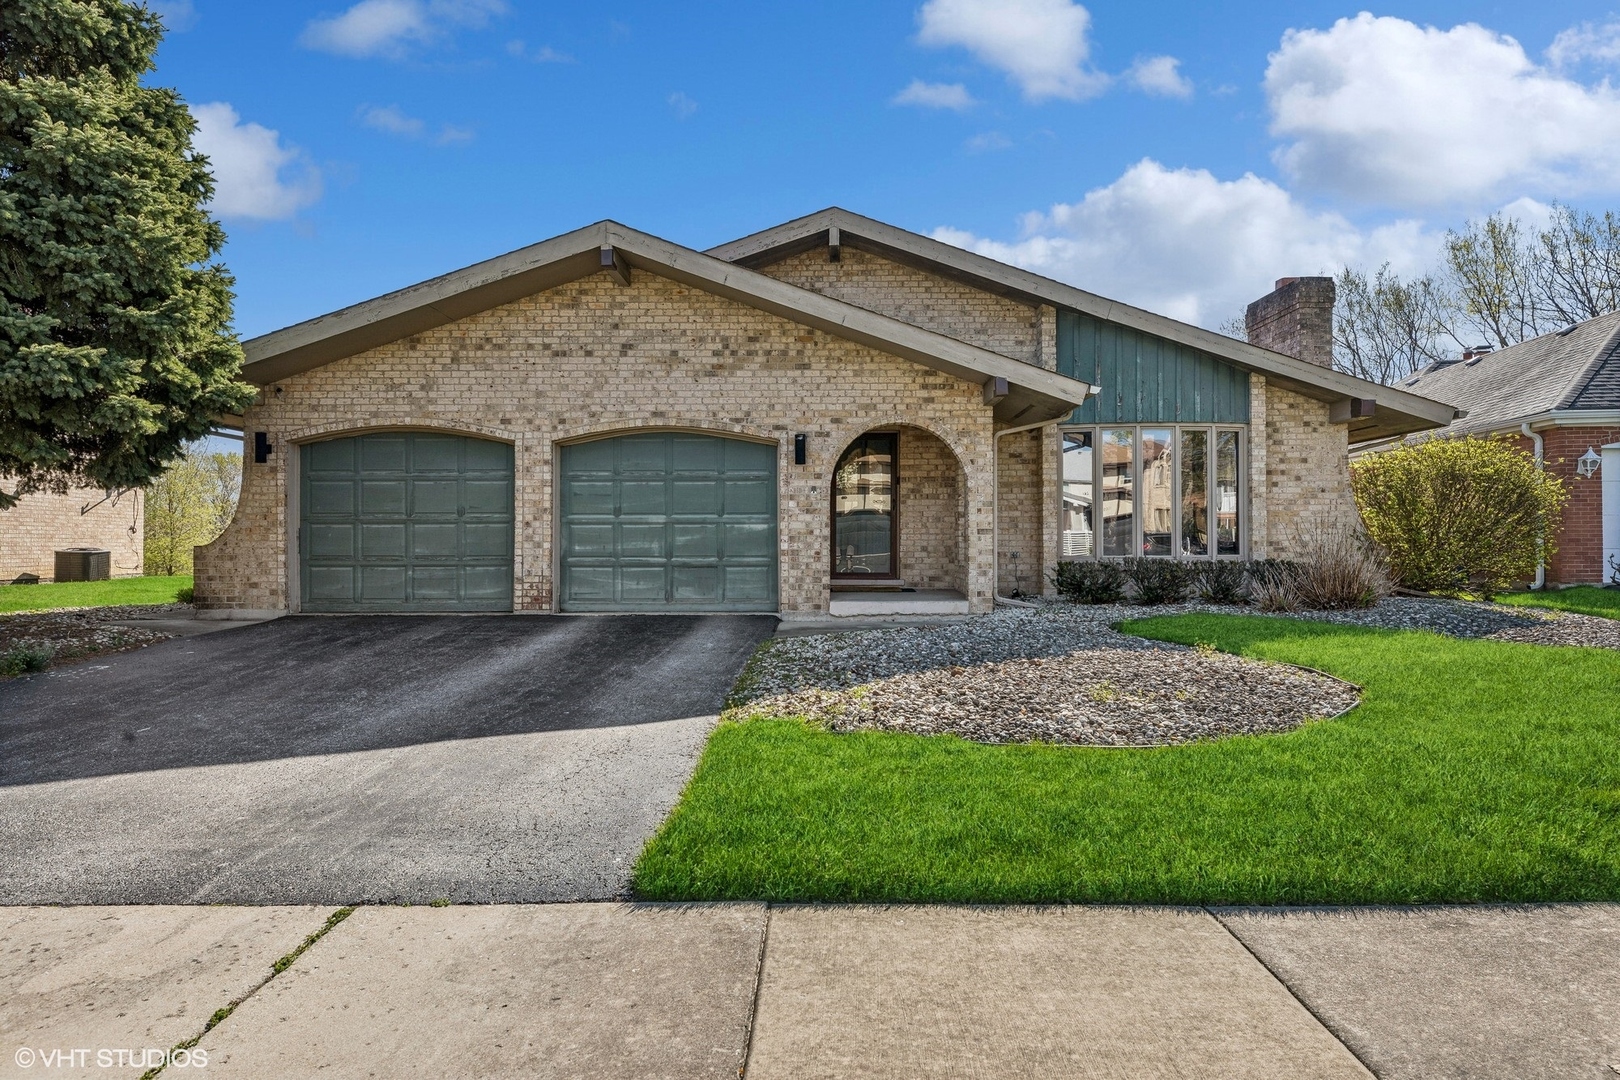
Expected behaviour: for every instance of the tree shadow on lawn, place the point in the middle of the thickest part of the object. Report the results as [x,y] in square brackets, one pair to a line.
[1472,771]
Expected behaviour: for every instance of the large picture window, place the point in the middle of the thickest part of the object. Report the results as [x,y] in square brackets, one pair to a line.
[1157,490]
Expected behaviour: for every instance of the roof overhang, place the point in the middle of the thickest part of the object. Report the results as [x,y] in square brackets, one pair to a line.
[1395,412]
[1032,395]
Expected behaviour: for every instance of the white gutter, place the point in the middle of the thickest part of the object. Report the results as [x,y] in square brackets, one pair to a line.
[1535,441]
[995,512]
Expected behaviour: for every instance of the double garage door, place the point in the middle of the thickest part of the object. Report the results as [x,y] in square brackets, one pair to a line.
[418,522]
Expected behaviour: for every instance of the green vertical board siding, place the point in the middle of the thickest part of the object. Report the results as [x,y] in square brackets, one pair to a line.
[406,521]
[1144,379]
[668,521]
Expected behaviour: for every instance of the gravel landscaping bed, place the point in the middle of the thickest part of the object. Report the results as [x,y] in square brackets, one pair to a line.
[1057,674]
[81,633]
[1060,673]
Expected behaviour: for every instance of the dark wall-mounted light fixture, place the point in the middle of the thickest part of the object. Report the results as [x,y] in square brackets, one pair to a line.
[261,448]
[799,453]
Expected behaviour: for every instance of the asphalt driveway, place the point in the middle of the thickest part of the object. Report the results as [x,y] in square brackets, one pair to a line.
[360,759]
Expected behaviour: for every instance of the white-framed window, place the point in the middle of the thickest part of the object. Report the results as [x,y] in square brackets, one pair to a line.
[1159,490]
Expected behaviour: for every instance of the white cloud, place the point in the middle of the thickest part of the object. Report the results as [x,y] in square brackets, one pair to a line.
[177,14]
[389,118]
[545,54]
[1160,76]
[683,105]
[1586,42]
[934,95]
[389,28]
[986,141]
[1040,44]
[255,174]
[1185,244]
[395,121]
[1384,111]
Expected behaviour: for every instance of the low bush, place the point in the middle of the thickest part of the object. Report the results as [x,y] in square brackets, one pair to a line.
[22,659]
[1089,582]
[1459,515]
[1158,581]
[186,595]
[1273,584]
[1343,571]
[1222,583]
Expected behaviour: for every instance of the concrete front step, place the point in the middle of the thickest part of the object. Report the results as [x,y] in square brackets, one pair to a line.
[848,604]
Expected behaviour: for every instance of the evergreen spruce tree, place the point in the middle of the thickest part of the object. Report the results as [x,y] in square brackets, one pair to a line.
[116,347]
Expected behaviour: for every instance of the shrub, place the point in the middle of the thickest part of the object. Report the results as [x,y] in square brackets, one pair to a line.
[1089,582]
[186,595]
[1343,571]
[1222,583]
[21,659]
[1158,581]
[1274,584]
[1455,514]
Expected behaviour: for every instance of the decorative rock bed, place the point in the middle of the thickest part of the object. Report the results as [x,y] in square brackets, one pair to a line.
[73,634]
[1059,673]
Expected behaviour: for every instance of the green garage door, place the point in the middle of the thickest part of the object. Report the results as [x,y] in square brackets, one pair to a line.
[668,521]
[406,521]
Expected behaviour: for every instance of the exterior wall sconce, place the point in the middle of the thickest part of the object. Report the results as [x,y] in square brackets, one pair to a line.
[261,448]
[1586,466]
[799,454]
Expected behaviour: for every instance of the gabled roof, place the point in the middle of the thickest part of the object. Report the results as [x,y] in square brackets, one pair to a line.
[1397,412]
[1575,369]
[1033,394]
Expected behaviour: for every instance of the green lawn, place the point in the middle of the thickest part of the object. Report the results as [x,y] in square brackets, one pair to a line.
[1582,599]
[140,590]
[1472,771]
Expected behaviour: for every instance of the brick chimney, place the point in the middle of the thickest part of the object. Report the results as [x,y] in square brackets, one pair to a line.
[1295,318]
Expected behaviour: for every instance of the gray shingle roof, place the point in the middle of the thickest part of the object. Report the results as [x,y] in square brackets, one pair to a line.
[1575,370]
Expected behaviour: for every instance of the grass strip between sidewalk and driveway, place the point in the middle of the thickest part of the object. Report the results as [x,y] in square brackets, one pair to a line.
[1582,600]
[1472,771]
[90,594]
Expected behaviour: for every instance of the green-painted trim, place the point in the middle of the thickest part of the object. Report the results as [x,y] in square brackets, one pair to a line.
[1145,379]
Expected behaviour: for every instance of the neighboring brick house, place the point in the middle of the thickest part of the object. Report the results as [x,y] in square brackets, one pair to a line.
[829,414]
[1559,394]
[41,524]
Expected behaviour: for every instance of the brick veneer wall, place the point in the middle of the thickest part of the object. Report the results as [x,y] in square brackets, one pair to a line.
[1020,524]
[1307,476]
[594,357]
[933,302]
[932,513]
[1578,558]
[33,530]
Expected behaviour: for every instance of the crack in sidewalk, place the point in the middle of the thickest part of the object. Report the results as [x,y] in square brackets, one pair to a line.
[229,1007]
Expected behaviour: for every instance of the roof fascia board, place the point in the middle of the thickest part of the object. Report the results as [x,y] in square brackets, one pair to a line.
[575,255]
[1311,380]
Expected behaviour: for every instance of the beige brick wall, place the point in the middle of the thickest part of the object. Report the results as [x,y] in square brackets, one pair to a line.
[33,530]
[928,300]
[932,514]
[594,357]
[1021,555]
[1307,474]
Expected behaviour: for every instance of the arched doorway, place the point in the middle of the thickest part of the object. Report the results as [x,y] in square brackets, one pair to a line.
[898,513]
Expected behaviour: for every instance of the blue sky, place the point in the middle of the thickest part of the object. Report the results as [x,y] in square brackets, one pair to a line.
[1178,155]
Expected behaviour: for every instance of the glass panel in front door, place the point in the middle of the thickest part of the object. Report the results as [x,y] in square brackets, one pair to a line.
[863,507]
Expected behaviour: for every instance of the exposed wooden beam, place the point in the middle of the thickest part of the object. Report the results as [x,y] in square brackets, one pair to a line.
[995,390]
[1347,409]
[614,263]
[835,245]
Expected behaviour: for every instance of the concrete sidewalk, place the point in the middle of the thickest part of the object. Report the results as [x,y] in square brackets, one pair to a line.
[650,990]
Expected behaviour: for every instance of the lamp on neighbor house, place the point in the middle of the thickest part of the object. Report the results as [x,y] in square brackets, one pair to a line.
[1586,466]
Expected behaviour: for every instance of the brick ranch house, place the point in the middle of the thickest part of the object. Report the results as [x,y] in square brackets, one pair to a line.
[1560,395]
[811,419]
[41,524]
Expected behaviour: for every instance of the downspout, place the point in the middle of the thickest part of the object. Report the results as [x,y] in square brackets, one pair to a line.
[1536,444]
[995,510]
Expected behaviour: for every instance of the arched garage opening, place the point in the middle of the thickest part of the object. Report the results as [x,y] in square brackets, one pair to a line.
[405,521]
[667,521]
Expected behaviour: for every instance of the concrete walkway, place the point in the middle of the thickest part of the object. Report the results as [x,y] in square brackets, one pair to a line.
[630,990]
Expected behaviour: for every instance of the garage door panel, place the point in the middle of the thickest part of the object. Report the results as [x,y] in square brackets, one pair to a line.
[643,497]
[435,497]
[381,453]
[379,535]
[382,498]
[693,524]
[334,498]
[334,541]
